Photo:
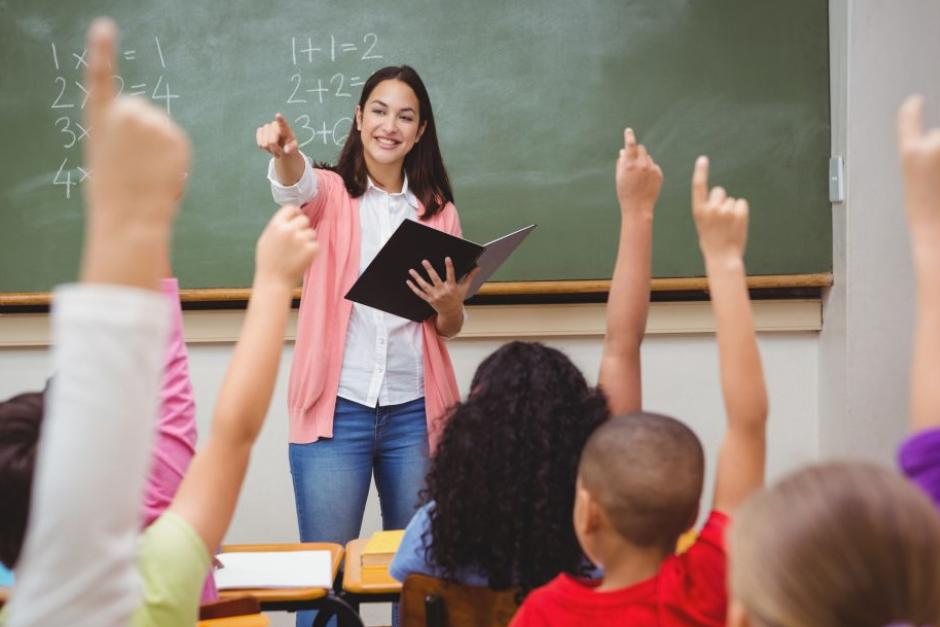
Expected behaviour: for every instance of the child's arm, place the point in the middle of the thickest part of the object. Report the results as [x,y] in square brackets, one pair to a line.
[638,183]
[721,222]
[109,335]
[176,430]
[209,492]
[919,456]
[920,164]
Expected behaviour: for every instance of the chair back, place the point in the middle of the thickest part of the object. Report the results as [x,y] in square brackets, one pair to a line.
[432,602]
[224,608]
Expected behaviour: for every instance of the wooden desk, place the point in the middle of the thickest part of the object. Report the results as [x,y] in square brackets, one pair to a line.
[287,599]
[356,591]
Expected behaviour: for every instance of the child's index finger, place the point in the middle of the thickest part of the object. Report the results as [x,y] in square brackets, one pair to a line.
[629,143]
[101,65]
[911,119]
[700,181]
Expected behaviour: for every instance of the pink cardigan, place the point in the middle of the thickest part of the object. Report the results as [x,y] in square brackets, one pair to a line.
[324,316]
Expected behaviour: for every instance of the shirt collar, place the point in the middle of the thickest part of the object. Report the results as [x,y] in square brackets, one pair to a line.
[410,198]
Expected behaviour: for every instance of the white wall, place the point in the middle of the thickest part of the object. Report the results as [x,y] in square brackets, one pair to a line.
[880,51]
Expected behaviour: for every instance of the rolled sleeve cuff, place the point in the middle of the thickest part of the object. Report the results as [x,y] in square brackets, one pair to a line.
[298,193]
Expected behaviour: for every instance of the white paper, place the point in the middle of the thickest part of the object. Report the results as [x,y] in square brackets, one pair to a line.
[274,569]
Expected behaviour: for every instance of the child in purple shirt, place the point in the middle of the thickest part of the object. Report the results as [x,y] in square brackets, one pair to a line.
[919,456]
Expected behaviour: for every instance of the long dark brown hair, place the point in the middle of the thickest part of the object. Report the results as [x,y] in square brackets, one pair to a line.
[427,176]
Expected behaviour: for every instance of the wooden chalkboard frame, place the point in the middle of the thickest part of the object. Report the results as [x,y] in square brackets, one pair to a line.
[509,289]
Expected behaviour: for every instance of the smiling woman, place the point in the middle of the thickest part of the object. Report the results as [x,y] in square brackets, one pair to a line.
[367,388]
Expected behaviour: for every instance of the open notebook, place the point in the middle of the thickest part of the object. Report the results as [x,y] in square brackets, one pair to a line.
[382,284]
[274,569]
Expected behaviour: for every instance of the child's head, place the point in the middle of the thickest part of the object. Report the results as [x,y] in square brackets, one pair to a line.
[639,481]
[502,478]
[836,544]
[394,125]
[20,422]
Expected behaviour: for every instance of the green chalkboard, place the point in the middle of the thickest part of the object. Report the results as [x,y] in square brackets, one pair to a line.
[530,96]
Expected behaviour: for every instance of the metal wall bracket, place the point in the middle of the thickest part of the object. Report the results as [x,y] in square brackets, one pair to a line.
[836,179]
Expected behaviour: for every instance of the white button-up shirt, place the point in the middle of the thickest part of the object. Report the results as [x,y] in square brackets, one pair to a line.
[383,362]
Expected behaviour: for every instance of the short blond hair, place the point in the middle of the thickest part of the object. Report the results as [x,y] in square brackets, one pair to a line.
[838,544]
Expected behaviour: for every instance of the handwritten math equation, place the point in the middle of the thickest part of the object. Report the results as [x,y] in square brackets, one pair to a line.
[69,97]
[315,88]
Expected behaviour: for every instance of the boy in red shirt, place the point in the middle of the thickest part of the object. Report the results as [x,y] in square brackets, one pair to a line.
[640,475]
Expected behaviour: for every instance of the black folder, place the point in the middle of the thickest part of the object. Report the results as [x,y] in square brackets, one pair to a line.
[382,284]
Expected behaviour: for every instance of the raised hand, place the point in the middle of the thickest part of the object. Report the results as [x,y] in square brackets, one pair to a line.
[137,159]
[286,247]
[721,221]
[638,177]
[137,156]
[276,137]
[920,165]
[638,181]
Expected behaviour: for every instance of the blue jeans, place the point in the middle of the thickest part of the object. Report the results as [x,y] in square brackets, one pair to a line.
[332,475]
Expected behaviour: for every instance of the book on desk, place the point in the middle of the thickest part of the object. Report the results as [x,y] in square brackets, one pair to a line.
[378,554]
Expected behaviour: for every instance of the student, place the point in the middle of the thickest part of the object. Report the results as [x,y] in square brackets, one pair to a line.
[173,554]
[854,544]
[836,544]
[109,333]
[175,551]
[501,484]
[367,388]
[919,457]
[640,475]
[21,419]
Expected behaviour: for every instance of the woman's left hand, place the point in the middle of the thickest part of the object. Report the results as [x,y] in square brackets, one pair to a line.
[445,296]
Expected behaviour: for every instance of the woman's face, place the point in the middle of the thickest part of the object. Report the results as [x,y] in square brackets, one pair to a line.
[388,124]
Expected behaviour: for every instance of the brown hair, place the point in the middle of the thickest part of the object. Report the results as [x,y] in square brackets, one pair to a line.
[424,165]
[646,471]
[838,544]
[20,422]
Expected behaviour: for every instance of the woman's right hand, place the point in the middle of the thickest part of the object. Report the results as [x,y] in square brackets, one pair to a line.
[277,137]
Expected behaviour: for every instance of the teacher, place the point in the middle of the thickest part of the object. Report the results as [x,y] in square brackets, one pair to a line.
[367,388]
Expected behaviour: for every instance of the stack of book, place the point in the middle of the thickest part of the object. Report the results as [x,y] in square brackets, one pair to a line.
[378,554]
